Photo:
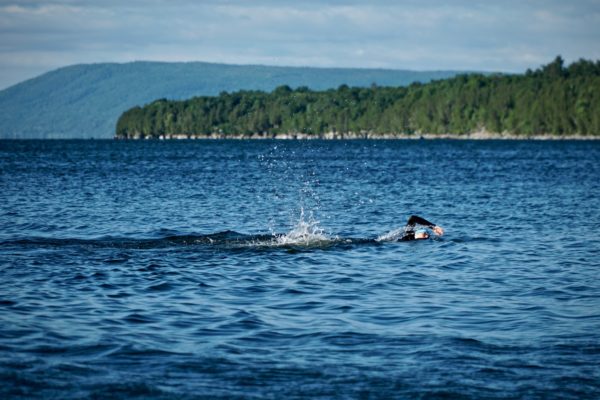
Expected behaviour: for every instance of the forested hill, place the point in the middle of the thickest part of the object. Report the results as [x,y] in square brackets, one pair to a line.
[553,100]
[84,101]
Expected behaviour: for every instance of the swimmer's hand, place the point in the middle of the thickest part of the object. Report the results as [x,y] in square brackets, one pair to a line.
[438,230]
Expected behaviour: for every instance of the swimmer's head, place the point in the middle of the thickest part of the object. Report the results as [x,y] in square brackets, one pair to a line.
[421,234]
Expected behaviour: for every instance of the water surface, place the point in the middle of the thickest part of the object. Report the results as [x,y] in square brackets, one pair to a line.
[252,269]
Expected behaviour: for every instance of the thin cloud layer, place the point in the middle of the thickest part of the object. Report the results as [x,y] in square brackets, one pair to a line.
[36,36]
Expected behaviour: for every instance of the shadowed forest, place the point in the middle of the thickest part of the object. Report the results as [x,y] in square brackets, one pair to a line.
[552,100]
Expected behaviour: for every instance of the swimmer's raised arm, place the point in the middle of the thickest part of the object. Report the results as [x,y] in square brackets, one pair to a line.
[416,220]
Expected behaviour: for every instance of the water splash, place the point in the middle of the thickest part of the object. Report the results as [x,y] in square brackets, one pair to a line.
[293,186]
[306,232]
[392,235]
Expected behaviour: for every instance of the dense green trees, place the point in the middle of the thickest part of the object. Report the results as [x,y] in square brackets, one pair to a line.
[554,100]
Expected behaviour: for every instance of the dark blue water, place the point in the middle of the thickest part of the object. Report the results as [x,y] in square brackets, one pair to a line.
[253,269]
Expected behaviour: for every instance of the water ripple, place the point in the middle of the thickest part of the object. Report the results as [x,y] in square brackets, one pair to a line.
[252,270]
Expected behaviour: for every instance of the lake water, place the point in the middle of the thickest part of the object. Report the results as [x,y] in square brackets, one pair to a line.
[252,269]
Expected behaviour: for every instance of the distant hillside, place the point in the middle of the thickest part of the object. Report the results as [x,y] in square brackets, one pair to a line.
[84,101]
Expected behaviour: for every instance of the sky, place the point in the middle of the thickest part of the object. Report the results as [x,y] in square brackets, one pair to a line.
[37,36]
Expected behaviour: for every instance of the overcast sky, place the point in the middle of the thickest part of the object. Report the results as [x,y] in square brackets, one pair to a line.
[491,35]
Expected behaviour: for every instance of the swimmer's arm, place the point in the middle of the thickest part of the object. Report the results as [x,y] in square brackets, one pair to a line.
[415,219]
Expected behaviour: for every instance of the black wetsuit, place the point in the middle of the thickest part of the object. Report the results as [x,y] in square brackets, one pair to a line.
[409,229]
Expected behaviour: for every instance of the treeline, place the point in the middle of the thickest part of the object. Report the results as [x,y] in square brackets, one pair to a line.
[553,100]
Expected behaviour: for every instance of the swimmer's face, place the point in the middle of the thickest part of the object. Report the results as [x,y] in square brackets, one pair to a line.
[421,235]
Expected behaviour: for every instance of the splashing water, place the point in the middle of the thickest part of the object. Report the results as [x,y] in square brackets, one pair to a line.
[305,233]
[293,184]
[391,235]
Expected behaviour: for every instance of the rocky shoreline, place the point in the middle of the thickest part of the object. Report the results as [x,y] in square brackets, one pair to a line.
[482,135]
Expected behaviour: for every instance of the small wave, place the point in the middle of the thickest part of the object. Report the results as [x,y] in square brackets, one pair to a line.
[229,239]
[129,243]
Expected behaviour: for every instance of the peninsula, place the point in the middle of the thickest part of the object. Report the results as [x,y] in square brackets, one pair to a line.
[553,101]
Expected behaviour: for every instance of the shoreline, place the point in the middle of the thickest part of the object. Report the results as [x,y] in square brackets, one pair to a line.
[368,136]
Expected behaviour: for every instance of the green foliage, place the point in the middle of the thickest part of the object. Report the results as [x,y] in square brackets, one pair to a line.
[554,100]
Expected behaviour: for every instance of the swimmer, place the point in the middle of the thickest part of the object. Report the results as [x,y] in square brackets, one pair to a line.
[411,234]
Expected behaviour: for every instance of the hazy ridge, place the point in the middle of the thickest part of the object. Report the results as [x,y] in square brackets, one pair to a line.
[85,101]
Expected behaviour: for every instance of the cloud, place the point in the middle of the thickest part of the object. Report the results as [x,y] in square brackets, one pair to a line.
[506,35]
